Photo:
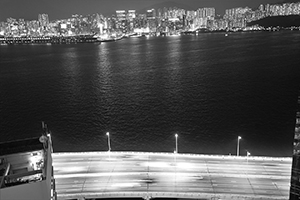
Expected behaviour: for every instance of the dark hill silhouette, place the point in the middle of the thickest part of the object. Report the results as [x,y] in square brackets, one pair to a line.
[168,4]
[285,1]
[281,21]
[291,1]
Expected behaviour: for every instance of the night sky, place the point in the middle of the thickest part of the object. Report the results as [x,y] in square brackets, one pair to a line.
[59,9]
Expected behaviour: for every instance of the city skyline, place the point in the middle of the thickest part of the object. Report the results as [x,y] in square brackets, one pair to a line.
[161,22]
[63,9]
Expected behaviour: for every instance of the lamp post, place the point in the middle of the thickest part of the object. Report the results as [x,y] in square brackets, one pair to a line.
[248,153]
[108,141]
[176,136]
[238,146]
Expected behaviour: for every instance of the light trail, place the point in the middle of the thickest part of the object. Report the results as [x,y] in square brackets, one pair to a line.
[139,174]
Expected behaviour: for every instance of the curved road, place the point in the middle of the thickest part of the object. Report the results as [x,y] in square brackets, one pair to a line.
[137,174]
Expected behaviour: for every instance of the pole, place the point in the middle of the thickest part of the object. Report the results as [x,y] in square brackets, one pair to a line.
[238,146]
[108,141]
[248,154]
[176,136]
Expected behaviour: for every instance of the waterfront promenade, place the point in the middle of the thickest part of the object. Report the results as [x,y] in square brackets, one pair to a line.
[90,175]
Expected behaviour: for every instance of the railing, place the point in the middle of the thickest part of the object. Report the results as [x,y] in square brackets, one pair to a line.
[5,172]
[151,195]
[17,179]
[179,154]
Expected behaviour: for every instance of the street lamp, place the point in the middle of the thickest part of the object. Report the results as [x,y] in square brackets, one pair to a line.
[176,136]
[108,141]
[238,146]
[248,153]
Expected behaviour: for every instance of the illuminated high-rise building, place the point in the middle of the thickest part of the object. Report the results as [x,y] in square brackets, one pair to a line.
[151,20]
[43,20]
[121,21]
[165,12]
[121,15]
[210,13]
[131,14]
[206,13]
[151,14]
[267,9]
[261,7]
[160,13]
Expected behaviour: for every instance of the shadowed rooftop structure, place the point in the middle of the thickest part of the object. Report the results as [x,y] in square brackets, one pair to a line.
[18,146]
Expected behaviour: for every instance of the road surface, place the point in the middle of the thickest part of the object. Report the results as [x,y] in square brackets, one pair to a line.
[137,174]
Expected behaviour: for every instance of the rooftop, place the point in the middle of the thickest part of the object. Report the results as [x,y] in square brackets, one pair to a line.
[19,146]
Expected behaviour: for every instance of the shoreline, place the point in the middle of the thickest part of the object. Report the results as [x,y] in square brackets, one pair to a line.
[49,40]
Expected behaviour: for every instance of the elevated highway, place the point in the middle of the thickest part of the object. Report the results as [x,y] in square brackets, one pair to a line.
[92,175]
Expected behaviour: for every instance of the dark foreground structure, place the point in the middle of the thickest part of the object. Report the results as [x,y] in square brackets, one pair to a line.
[26,169]
[295,179]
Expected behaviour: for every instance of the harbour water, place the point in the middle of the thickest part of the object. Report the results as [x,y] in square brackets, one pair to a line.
[207,88]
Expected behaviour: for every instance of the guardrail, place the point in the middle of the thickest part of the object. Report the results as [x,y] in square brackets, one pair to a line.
[177,154]
[150,195]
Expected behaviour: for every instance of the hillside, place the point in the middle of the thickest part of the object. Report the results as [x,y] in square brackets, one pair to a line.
[291,1]
[168,4]
[281,21]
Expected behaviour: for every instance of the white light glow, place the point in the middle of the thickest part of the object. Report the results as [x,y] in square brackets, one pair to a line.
[63,26]
[93,175]
[155,164]
[122,185]
[185,165]
[72,169]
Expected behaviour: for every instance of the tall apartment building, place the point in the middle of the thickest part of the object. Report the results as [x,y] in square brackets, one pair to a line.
[43,19]
[121,20]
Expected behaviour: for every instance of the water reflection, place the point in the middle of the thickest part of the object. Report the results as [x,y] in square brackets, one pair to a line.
[104,67]
[71,84]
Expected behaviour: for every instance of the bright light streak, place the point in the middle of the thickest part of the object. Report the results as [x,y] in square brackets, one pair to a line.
[72,169]
[111,158]
[93,175]
[185,165]
[156,164]
[122,185]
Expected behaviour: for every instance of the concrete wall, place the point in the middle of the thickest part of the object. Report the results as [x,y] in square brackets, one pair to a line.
[49,169]
[29,191]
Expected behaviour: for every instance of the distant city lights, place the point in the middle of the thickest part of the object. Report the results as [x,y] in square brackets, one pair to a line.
[163,21]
